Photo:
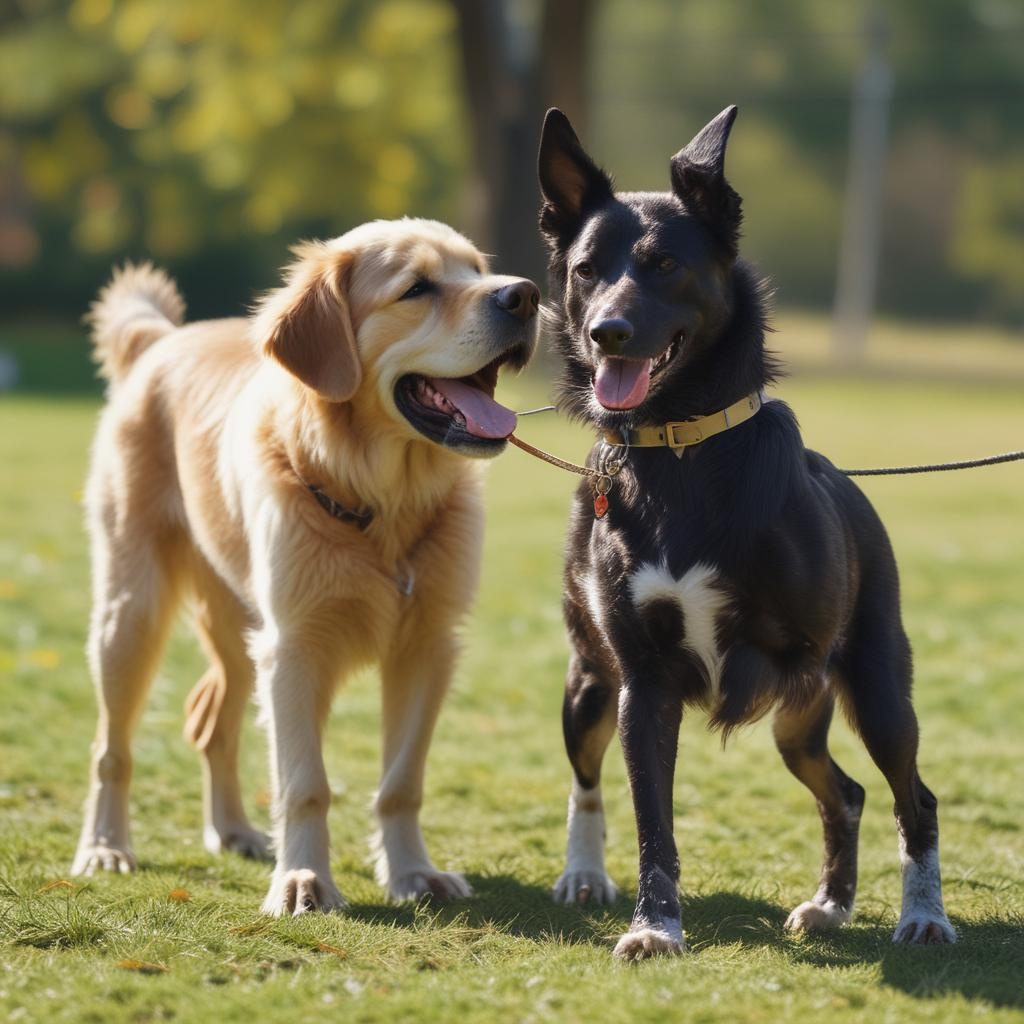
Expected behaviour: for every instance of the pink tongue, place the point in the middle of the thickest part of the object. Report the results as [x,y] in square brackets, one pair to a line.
[484,417]
[622,383]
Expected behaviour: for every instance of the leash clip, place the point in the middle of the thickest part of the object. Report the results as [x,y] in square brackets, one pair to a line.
[607,469]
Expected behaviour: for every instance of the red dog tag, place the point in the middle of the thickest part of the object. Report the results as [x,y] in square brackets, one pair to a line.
[600,505]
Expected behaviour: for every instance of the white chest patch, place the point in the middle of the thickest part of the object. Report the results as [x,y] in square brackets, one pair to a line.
[702,604]
[595,603]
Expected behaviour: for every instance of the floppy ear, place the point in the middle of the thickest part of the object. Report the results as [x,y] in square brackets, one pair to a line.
[570,181]
[698,179]
[306,325]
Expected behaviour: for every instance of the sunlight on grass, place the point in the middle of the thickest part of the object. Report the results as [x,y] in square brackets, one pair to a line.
[128,949]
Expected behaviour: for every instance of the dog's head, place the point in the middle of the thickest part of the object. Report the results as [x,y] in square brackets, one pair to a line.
[642,281]
[404,315]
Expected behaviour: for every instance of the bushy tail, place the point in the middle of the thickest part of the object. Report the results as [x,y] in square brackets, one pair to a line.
[140,305]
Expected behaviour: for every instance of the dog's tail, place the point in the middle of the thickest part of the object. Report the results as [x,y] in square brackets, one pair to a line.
[139,305]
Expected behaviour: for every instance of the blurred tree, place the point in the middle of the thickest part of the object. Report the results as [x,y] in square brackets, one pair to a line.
[515,67]
[176,129]
[949,243]
[211,134]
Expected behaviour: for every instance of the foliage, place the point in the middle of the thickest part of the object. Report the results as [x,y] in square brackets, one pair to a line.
[175,128]
[212,135]
[139,948]
[954,208]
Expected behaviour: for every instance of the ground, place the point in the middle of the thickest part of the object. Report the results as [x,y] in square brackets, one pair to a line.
[183,940]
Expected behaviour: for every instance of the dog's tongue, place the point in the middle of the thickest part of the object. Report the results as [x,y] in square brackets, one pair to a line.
[622,383]
[484,416]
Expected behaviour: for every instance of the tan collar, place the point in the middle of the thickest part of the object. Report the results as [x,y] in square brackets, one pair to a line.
[679,434]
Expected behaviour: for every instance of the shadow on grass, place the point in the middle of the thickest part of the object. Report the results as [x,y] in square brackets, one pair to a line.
[984,965]
[514,908]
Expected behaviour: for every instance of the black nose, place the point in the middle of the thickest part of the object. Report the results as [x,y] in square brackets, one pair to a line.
[520,299]
[612,335]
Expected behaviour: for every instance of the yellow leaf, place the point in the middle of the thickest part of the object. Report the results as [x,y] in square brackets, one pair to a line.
[250,929]
[59,883]
[142,966]
[43,657]
[326,947]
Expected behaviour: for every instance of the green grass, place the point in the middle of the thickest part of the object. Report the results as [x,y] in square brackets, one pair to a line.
[748,833]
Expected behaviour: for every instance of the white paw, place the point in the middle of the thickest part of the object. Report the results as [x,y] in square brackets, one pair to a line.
[243,839]
[98,857]
[648,942]
[299,892]
[439,885]
[924,929]
[818,917]
[585,886]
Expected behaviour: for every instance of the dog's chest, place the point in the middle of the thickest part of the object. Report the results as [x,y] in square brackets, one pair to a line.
[685,611]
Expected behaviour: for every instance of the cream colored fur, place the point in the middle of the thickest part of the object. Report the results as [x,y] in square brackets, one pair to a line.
[195,490]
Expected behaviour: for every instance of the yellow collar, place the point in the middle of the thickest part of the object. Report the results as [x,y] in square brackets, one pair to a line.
[682,433]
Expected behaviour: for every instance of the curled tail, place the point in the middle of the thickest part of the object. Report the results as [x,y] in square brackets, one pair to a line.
[139,305]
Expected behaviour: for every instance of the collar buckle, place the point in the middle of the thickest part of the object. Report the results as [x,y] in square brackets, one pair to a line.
[675,436]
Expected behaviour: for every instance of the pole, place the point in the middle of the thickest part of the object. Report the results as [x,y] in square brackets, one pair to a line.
[862,208]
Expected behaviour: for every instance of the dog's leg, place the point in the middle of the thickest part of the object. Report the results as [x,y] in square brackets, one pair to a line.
[588,724]
[294,688]
[649,718]
[214,713]
[802,739]
[879,680]
[135,594]
[414,682]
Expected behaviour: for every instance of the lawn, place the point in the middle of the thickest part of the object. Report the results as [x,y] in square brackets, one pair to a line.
[182,939]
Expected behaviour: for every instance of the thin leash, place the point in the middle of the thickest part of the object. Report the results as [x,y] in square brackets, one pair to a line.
[934,467]
[937,467]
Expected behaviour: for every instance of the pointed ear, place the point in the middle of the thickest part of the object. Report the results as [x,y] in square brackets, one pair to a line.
[570,182]
[306,325]
[698,179]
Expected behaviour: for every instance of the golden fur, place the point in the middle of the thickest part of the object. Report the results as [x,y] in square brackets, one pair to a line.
[196,487]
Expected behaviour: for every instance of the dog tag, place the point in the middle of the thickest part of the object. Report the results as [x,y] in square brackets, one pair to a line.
[603,485]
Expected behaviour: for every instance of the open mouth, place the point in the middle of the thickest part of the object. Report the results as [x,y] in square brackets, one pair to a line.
[460,412]
[621,384]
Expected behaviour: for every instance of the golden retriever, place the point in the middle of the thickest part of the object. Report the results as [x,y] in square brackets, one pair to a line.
[300,473]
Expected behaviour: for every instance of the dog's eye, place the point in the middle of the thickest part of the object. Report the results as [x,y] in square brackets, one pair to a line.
[584,271]
[421,287]
[665,264]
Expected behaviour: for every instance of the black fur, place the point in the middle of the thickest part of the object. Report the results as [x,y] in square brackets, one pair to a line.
[813,597]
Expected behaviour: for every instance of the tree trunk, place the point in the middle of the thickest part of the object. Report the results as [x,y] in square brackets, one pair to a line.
[511,79]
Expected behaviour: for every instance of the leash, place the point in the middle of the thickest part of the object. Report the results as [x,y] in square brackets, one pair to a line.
[603,477]
[610,468]
[937,467]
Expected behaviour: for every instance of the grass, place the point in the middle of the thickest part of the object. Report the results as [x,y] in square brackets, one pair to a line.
[182,938]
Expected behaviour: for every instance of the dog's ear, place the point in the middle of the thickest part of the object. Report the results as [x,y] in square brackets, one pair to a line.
[570,182]
[698,179]
[306,326]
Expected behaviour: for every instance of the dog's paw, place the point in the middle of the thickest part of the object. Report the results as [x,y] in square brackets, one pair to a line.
[642,943]
[99,857]
[438,885]
[818,917]
[585,886]
[302,891]
[924,929]
[243,840]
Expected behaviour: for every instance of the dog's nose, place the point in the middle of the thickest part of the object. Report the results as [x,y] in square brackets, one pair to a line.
[521,299]
[612,335]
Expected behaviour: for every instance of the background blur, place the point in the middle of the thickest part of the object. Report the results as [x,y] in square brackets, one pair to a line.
[879,151]
[210,135]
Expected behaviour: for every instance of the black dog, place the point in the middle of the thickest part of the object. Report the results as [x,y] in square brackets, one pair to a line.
[739,572]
